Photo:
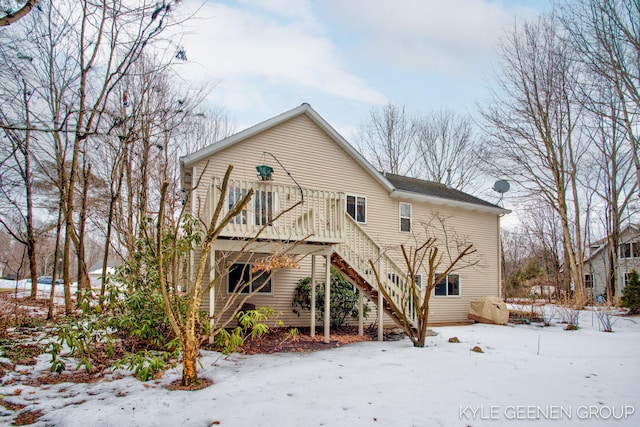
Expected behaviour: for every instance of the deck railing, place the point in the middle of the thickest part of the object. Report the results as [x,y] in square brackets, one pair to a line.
[319,218]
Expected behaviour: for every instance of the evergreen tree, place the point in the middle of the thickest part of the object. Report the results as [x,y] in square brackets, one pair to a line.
[631,293]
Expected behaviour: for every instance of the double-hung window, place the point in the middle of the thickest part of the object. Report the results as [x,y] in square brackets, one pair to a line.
[405,216]
[448,286]
[588,281]
[357,208]
[629,250]
[625,250]
[241,280]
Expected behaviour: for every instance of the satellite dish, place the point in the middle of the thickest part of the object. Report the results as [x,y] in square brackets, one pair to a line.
[501,186]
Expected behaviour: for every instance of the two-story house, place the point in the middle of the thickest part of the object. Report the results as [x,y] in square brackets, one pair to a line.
[350,214]
[598,264]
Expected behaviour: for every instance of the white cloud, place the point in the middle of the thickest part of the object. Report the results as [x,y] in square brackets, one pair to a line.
[276,44]
[449,36]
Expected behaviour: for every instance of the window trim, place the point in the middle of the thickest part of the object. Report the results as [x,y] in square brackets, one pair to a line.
[244,216]
[588,281]
[366,209]
[246,266]
[419,280]
[400,217]
[458,295]
[625,279]
[622,250]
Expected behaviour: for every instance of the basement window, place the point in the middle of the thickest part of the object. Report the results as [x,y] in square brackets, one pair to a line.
[449,286]
[241,280]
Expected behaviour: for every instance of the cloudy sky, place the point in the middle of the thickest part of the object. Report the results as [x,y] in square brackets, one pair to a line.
[345,57]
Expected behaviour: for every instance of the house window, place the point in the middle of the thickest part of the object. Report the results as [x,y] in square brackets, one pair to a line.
[588,281]
[236,195]
[624,250]
[418,280]
[449,286]
[265,206]
[240,279]
[629,250]
[357,208]
[405,216]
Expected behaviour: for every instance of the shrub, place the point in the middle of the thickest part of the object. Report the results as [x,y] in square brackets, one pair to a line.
[631,293]
[251,324]
[344,299]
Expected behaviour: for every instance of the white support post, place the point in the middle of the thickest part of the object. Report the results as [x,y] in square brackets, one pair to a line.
[380,317]
[382,275]
[360,312]
[212,289]
[313,296]
[327,300]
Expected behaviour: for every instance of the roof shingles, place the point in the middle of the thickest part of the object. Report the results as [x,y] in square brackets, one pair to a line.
[434,189]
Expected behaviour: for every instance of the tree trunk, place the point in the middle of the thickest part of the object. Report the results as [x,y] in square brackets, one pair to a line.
[83,274]
[190,363]
[54,274]
[9,19]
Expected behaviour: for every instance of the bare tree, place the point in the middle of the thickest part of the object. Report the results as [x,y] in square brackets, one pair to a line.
[10,15]
[441,253]
[606,37]
[612,168]
[447,149]
[542,228]
[16,178]
[386,139]
[206,127]
[73,89]
[533,121]
[516,249]
[189,232]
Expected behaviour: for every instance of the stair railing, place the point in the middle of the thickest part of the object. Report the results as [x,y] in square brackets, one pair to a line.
[358,248]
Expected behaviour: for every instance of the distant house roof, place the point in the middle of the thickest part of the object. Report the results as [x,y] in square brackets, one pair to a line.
[602,244]
[97,267]
[398,186]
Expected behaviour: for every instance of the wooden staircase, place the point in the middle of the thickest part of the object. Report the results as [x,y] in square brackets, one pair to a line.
[352,258]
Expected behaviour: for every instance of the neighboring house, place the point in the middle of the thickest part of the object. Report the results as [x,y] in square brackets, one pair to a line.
[95,272]
[597,265]
[351,214]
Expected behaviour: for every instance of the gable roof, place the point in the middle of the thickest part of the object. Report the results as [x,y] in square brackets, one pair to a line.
[398,186]
[281,118]
[603,243]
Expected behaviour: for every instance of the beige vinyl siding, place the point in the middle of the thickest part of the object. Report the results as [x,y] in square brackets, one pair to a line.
[316,161]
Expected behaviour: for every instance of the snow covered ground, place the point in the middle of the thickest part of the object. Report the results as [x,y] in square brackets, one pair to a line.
[527,375]
[23,288]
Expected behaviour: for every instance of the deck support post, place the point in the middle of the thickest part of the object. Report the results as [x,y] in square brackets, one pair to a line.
[212,290]
[312,321]
[360,312]
[327,300]
[380,301]
[380,317]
